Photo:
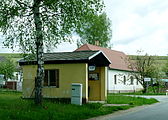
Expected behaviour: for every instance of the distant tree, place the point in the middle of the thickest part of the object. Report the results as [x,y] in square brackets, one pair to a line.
[144,66]
[95,30]
[33,24]
[7,68]
[165,68]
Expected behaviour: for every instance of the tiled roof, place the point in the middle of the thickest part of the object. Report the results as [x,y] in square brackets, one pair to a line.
[65,57]
[118,59]
[69,55]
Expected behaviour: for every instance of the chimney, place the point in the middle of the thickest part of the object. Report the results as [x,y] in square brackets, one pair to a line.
[97,43]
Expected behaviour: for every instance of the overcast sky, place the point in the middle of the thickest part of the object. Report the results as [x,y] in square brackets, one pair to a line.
[139,25]
[136,25]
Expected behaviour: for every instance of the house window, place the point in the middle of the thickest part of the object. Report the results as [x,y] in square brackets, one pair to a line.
[137,82]
[132,80]
[115,79]
[51,78]
[93,76]
[124,80]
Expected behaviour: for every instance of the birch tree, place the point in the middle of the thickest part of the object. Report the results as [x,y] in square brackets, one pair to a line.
[35,24]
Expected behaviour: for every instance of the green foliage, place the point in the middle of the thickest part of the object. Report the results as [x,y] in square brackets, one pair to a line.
[59,19]
[7,68]
[146,66]
[95,30]
[165,68]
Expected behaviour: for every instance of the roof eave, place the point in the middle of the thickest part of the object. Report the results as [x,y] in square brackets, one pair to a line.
[121,69]
[54,62]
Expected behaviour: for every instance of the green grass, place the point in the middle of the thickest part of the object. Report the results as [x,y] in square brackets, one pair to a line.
[13,107]
[137,93]
[12,55]
[161,60]
[136,101]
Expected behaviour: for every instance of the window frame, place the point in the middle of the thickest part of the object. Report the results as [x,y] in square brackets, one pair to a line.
[137,82]
[131,80]
[56,71]
[124,80]
[115,79]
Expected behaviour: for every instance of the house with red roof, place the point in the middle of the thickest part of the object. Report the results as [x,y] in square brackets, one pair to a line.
[120,78]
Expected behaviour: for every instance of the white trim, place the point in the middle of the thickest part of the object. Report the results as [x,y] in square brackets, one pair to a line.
[97,54]
[94,55]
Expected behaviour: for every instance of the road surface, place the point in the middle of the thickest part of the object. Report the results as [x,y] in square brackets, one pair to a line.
[158,111]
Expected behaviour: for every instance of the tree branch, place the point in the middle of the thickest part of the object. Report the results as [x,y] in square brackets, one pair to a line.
[22,4]
[50,13]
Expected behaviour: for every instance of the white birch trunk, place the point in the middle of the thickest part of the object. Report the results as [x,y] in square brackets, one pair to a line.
[39,52]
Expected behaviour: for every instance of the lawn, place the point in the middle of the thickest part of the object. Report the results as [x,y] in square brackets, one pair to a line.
[13,107]
[134,101]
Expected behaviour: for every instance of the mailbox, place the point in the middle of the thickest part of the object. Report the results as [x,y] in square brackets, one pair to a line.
[76,97]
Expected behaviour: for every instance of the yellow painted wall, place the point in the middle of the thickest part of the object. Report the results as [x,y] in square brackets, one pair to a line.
[68,74]
[29,73]
[103,83]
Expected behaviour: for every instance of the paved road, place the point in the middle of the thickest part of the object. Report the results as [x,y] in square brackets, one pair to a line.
[158,111]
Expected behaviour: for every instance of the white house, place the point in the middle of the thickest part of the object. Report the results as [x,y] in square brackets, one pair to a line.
[120,78]
[15,82]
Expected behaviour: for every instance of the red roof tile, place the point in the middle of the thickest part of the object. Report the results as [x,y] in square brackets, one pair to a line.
[118,59]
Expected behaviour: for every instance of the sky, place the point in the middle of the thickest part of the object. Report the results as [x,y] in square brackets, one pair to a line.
[136,25]
[139,25]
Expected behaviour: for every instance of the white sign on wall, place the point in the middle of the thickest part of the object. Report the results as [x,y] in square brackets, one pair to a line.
[147,79]
[92,68]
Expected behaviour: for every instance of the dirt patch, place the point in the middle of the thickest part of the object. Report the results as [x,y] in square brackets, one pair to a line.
[115,105]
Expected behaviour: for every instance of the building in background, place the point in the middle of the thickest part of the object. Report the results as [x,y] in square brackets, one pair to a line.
[15,82]
[120,77]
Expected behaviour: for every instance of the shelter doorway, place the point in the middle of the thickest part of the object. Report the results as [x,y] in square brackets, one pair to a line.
[94,86]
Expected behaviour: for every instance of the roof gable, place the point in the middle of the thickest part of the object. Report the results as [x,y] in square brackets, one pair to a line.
[118,59]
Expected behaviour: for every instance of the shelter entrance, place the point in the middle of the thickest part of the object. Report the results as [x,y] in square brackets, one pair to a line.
[94,86]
